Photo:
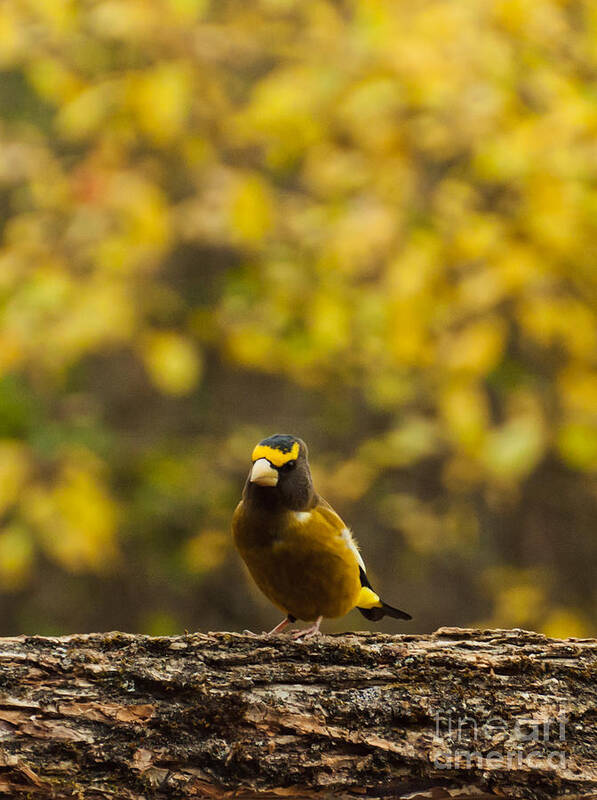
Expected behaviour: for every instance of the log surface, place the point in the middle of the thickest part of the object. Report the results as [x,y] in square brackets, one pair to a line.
[455,713]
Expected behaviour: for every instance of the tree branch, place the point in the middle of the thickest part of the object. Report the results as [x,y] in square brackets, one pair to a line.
[115,715]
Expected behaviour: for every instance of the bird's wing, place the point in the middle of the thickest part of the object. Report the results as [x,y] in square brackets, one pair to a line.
[367,598]
[324,510]
[368,602]
[323,524]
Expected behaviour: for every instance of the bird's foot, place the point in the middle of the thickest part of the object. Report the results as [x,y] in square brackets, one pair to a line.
[280,627]
[307,633]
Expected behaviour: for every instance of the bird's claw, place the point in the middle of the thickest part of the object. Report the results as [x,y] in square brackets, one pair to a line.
[308,633]
[247,632]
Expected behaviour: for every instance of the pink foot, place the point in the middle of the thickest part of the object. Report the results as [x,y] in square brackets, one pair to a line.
[279,627]
[307,633]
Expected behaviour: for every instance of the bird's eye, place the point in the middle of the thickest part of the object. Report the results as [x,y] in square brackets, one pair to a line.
[288,466]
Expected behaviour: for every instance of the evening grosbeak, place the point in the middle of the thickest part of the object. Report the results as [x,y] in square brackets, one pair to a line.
[298,550]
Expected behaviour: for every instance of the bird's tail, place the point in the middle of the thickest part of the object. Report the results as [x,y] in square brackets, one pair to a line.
[378,612]
[372,606]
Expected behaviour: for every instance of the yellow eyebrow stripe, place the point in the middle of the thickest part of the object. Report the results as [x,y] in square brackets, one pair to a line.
[275,456]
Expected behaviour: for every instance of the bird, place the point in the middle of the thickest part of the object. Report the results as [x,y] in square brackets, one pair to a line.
[297,548]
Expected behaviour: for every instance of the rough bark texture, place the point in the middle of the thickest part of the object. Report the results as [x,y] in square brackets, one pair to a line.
[365,715]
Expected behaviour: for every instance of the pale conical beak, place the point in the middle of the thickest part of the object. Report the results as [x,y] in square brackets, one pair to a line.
[263,473]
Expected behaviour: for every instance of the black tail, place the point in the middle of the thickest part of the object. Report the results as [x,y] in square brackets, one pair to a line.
[376,614]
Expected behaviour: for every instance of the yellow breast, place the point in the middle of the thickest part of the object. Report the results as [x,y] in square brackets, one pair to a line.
[300,561]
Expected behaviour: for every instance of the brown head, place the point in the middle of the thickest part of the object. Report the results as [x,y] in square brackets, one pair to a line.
[280,478]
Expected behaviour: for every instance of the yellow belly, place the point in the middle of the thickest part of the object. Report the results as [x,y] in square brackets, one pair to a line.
[302,574]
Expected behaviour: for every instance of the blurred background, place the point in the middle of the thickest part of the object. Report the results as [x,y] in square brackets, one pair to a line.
[369,223]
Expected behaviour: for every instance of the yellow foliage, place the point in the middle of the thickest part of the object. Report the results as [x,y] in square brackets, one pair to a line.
[348,482]
[160,623]
[76,517]
[251,210]
[283,111]
[14,470]
[476,349]
[329,322]
[83,115]
[414,439]
[53,81]
[251,346]
[11,34]
[429,531]
[172,361]
[519,596]
[564,622]
[375,223]
[206,551]
[511,451]
[160,99]
[578,388]
[577,442]
[518,605]
[16,556]
[465,414]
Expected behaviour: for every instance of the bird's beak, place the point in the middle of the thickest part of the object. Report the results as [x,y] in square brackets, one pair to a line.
[263,473]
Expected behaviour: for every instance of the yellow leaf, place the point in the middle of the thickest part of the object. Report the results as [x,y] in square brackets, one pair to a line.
[172,362]
[415,438]
[12,34]
[519,605]
[283,111]
[161,99]
[250,345]
[475,349]
[349,481]
[251,210]
[466,415]
[14,470]
[16,556]
[511,452]
[578,389]
[188,10]
[87,111]
[564,622]
[160,623]
[329,321]
[52,80]
[76,518]
[206,551]
[577,442]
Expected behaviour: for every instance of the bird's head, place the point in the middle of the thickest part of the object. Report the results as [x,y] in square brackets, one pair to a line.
[280,473]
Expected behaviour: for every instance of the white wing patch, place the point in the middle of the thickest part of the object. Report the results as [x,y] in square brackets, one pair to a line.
[302,516]
[347,536]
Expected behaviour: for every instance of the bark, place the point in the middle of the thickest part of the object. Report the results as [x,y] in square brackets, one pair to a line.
[360,715]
